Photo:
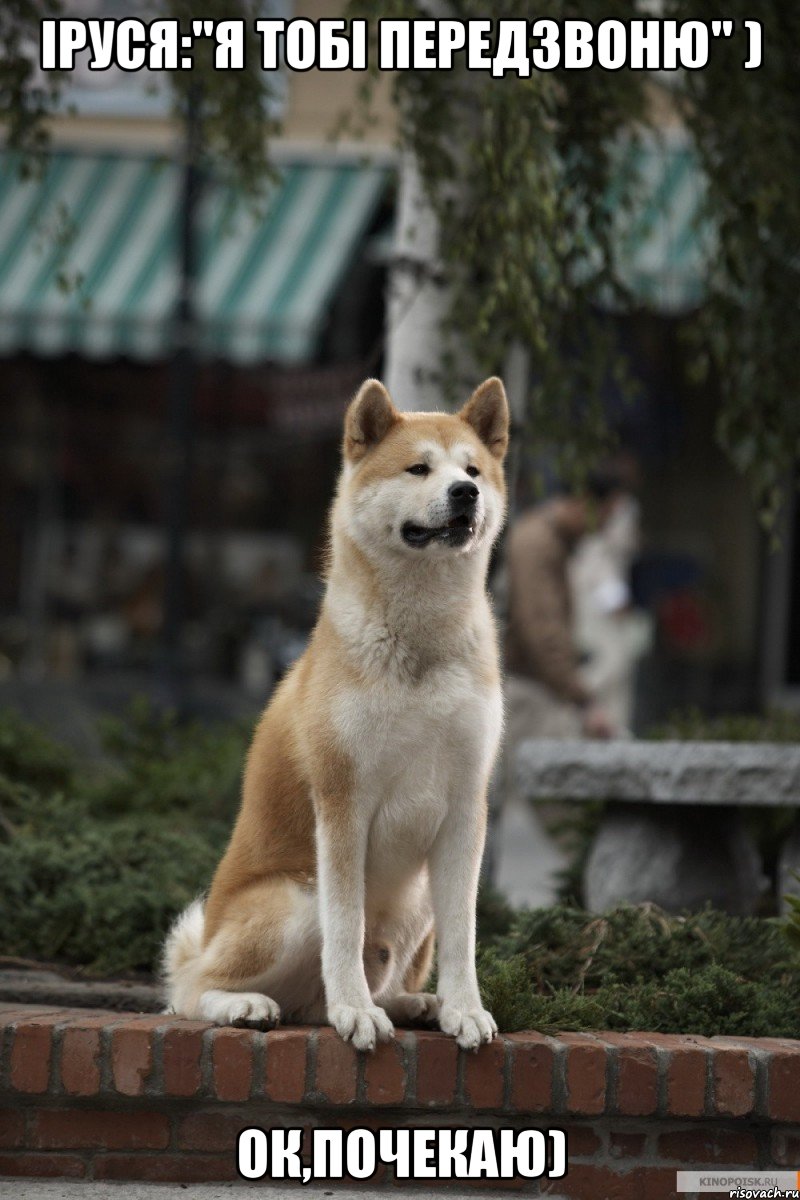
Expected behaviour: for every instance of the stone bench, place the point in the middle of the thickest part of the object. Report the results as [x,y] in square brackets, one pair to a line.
[672,832]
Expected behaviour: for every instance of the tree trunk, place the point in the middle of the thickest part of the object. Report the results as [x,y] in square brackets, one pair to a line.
[417,300]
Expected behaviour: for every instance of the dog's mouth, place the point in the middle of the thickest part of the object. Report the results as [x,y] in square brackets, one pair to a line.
[456,532]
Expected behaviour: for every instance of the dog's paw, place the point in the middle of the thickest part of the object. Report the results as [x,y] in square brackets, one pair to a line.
[364,1027]
[250,1009]
[469,1026]
[413,1006]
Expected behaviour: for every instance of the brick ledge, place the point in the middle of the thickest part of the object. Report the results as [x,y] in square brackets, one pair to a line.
[76,1053]
[121,1095]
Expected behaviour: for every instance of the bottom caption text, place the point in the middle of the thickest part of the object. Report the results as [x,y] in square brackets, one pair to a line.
[413,1153]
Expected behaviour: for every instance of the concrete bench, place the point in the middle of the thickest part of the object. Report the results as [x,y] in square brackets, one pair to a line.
[672,832]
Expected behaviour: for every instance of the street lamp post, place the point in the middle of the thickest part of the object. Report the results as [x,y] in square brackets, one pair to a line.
[180,405]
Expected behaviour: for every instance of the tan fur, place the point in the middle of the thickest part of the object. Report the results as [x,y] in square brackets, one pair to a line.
[301,783]
[417,974]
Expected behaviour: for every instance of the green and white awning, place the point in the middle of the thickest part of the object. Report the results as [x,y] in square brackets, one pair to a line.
[663,246]
[89,251]
[89,257]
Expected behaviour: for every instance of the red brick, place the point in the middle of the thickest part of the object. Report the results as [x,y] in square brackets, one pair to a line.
[232,1063]
[785,1147]
[12,1128]
[80,1061]
[211,1132]
[709,1147]
[31,1054]
[770,1044]
[626,1145]
[132,1056]
[734,1083]
[437,1063]
[337,1068]
[586,1181]
[582,1141]
[182,1049]
[483,1075]
[286,1065]
[78,1129]
[376,1120]
[532,1060]
[751,1043]
[586,1074]
[42,1166]
[687,1072]
[637,1074]
[166,1168]
[12,1013]
[784,1085]
[658,1183]
[385,1073]
[432,1186]
[590,1182]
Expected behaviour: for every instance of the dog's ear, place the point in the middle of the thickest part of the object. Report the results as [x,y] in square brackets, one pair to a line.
[369,418]
[487,412]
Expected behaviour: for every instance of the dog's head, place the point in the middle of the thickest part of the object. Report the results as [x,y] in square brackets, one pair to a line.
[427,484]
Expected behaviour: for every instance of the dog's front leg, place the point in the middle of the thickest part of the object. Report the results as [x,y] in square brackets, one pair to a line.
[454,866]
[341,857]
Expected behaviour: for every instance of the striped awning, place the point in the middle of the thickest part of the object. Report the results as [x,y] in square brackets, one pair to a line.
[89,257]
[663,245]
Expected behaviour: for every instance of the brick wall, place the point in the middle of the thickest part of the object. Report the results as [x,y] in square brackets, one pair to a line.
[118,1096]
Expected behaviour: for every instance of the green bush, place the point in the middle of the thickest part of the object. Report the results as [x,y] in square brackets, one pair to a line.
[691,725]
[100,895]
[637,968]
[160,765]
[95,862]
[30,756]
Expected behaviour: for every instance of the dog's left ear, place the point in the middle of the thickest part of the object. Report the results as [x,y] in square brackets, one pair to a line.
[369,418]
[487,412]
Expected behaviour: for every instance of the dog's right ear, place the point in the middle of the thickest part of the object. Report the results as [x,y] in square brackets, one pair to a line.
[369,418]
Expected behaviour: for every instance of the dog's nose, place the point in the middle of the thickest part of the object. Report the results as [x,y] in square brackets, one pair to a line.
[462,494]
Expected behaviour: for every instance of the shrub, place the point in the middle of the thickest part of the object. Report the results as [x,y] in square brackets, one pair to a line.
[691,725]
[159,765]
[27,754]
[95,863]
[100,894]
[637,968]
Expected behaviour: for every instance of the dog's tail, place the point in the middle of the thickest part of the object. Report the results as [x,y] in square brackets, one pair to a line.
[182,950]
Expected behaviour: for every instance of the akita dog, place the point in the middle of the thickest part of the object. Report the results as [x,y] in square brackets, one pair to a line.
[363,814]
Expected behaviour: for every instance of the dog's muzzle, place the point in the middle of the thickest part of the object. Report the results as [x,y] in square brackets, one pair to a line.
[462,498]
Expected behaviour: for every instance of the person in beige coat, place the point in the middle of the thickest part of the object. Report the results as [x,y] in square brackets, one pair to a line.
[545,694]
[545,688]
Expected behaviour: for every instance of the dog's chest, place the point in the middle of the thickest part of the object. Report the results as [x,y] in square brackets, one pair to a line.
[415,751]
[392,731]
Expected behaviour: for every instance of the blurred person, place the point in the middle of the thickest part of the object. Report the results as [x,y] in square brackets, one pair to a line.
[547,695]
[611,634]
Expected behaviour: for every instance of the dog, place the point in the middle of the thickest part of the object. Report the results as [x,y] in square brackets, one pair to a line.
[363,812]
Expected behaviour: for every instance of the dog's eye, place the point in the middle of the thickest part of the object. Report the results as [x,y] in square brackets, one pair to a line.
[419,469]
[472,471]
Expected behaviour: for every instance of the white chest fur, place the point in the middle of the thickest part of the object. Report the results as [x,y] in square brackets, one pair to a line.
[417,750]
